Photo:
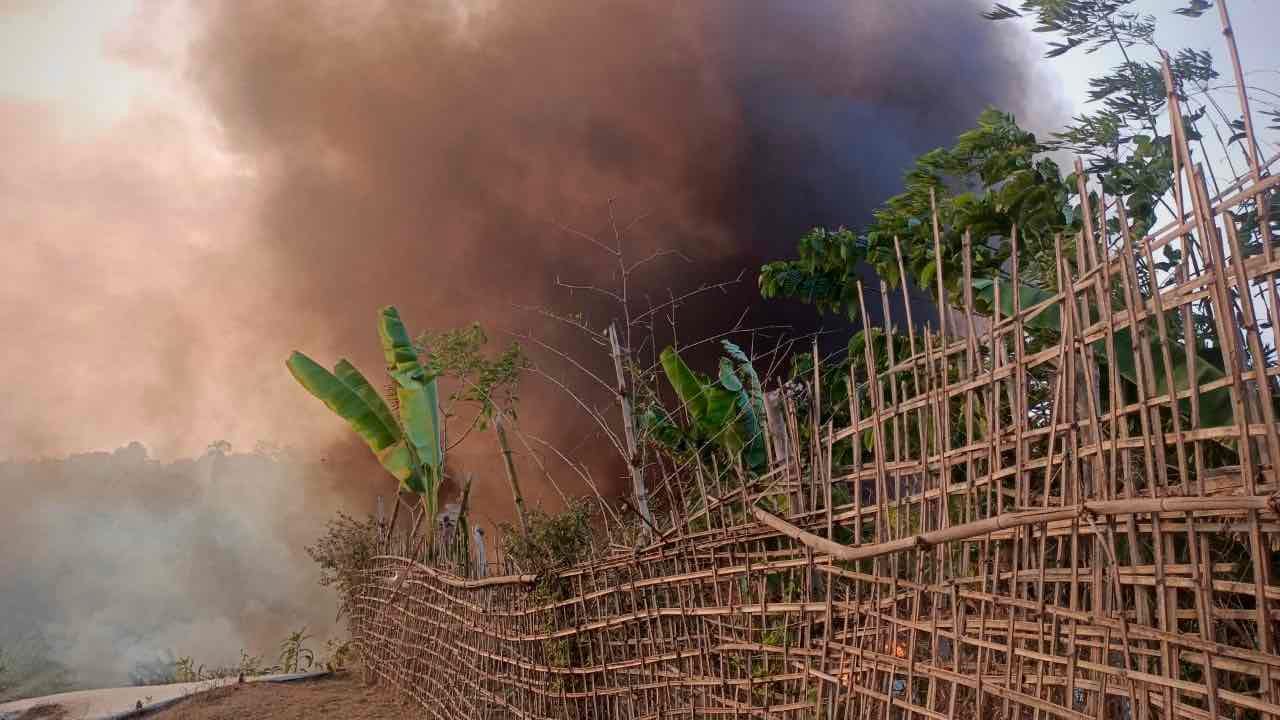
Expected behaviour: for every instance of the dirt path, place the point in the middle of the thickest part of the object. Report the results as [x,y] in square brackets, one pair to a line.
[336,696]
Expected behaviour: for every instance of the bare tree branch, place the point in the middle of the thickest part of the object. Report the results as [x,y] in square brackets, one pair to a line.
[592,412]
[529,337]
[704,288]
[586,476]
[590,288]
[586,236]
[595,335]
[657,254]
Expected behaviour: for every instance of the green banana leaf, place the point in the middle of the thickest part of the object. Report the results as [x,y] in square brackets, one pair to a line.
[712,408]
[753,438]
[685,383]
[354,379]
[1215,405]
[744,364]
[397,347]
[657,426]
[418,396]
[758,451]
[376,427]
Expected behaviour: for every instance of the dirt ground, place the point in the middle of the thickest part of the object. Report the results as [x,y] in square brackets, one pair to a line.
[337,696]
[45,712]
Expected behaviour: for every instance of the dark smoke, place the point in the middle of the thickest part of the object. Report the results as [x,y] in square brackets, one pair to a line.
[424,154]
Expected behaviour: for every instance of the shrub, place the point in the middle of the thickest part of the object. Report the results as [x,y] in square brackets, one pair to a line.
[552,542]
[343,551]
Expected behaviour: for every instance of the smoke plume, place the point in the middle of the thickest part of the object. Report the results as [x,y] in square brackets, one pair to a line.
[427,154]
[430,154]
[120,561]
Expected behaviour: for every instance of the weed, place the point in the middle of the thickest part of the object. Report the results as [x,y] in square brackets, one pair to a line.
[338,654]
[295,656]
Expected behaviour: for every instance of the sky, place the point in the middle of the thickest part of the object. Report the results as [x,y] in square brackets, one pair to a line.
[117,168]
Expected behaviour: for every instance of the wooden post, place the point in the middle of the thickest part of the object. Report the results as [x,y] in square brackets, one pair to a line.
[513,480]
[629,429]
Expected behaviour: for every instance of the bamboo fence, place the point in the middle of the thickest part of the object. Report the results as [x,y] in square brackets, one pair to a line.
[1026,540]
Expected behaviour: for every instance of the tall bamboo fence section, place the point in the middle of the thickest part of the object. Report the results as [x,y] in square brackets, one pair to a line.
[1027,539]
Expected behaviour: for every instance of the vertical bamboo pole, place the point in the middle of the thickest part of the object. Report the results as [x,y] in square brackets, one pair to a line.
[638,490]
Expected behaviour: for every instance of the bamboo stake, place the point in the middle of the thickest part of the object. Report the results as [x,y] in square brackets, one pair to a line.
[638,490]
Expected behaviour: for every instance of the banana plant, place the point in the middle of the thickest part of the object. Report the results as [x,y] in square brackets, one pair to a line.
[721,411]
[407,443]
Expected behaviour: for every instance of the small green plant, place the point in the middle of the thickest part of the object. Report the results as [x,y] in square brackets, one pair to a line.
[295,656]
[726,411]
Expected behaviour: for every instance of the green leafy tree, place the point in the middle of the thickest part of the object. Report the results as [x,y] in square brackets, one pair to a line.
[489,384]
[186,670]
[999,180]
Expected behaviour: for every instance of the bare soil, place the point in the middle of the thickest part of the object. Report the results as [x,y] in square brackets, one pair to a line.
[50,711]
[343,695]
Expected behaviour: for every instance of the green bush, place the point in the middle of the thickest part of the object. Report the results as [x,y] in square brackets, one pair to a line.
[553,541]
[343,551]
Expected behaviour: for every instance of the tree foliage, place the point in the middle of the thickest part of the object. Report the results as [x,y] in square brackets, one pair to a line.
[491,383]
[998,176]
[552,541]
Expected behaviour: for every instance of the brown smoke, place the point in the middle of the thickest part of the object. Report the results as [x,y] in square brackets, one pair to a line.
[423,154]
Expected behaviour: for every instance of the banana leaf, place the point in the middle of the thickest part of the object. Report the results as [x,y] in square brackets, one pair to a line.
[744,364]
[753,452]
[352,405]
[418,397]
[397,347]
[758,450]
[1215,405]
[354,379]
[685,383]
[657,426]
[712,408]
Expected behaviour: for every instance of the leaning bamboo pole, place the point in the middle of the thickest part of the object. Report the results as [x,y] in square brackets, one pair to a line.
[1007,521]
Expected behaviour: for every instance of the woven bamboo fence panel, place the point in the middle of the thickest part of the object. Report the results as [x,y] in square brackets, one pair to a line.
[1025,541]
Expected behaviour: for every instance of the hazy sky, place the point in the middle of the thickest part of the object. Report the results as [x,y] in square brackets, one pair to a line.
[116,172]
[93,61]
